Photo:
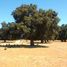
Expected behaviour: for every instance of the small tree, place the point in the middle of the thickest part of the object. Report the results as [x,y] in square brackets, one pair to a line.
[63,33]
[5,31]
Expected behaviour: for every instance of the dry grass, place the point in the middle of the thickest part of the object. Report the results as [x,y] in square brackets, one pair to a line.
[55,55]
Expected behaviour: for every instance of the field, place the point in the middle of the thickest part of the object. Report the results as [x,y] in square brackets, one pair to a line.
[53,54]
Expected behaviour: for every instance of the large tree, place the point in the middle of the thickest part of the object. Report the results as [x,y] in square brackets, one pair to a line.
[49,25]
[24,14]
[52,23]
[36,24]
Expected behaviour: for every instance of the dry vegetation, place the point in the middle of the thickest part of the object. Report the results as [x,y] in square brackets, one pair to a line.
[53,54]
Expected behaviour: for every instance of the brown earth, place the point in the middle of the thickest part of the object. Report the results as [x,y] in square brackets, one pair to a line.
[53,54]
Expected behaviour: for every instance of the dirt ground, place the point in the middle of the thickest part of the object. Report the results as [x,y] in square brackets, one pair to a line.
[53,54]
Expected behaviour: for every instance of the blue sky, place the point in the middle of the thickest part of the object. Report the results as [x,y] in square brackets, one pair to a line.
[7,6]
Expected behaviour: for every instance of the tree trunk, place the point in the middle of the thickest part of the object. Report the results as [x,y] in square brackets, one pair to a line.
[4,40]
[65,40]
[42,41]
[61,40]
[45,41]
[32,42]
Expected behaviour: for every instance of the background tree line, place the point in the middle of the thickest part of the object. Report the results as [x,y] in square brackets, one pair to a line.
[33,24]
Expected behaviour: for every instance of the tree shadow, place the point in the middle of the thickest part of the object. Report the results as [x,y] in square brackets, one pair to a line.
[49,42]
[23,46]
[6,42]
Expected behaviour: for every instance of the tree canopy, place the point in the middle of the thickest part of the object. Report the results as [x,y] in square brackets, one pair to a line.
[34,24]
[39,23]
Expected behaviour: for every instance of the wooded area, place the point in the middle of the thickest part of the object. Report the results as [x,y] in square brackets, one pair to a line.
[33,24]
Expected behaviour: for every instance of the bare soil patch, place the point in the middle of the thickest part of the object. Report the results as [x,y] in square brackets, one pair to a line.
[53,55]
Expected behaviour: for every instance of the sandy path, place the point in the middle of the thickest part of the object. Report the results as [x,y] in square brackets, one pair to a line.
[53,56]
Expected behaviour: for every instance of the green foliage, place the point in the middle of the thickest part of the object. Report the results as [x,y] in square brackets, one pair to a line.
[63,32]
[32,23]
[38,24]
